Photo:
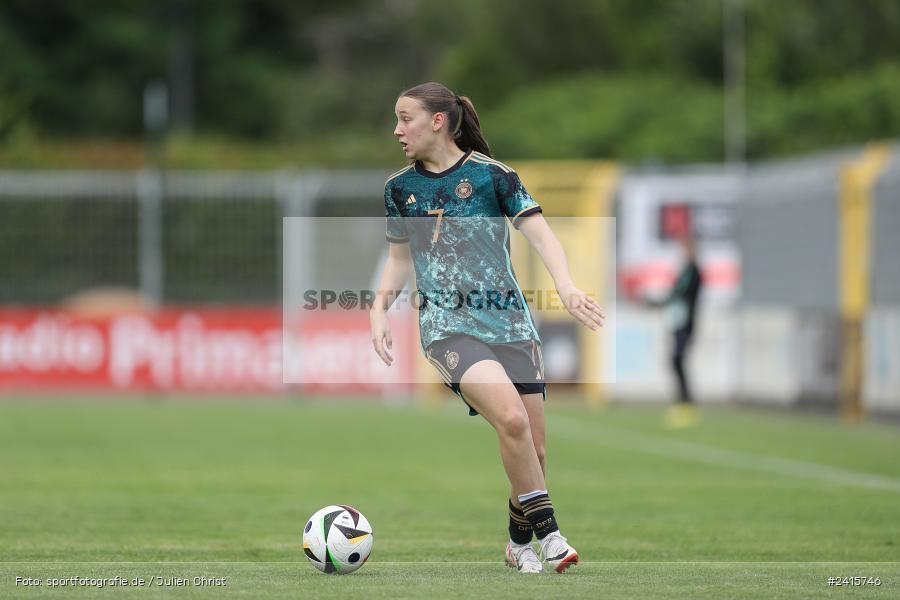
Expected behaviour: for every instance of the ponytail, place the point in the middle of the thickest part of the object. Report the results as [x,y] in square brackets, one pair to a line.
[468,135]
[466,128]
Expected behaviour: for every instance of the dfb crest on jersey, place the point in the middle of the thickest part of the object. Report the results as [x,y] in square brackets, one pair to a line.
[452,360]
[463,190]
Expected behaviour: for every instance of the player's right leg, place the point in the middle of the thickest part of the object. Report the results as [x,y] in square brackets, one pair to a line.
[523,558]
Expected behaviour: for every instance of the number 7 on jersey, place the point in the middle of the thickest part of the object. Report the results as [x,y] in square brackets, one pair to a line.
[437,226]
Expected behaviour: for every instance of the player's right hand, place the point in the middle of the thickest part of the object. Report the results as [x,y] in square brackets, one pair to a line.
[381,335]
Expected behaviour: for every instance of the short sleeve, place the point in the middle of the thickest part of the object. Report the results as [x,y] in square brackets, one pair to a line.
[396,226]
[515,201]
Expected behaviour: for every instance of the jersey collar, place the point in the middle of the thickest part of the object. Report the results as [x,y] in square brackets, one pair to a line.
[422,171]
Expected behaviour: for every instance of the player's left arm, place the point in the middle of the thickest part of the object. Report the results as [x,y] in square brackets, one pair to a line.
[579,304]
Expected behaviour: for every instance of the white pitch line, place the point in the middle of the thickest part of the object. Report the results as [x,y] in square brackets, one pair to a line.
[721,457]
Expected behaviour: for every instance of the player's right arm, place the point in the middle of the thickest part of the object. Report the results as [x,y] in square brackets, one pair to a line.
[393,278]
[394,275]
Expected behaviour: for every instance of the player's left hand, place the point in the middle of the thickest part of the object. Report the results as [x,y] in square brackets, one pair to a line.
[582,306]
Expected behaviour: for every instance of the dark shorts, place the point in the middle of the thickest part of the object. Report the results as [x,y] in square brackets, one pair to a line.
[522,362]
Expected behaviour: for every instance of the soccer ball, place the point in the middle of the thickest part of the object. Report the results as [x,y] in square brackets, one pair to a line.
[337,539]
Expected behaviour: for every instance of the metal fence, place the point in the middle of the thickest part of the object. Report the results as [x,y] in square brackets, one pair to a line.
[216,237]
[886,241]
[177,237]
[791,216]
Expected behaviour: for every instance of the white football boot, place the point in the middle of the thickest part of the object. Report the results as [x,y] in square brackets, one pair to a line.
[558,553]
[523,558]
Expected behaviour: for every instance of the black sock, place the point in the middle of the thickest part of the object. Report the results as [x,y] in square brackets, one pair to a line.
[519,526]
[539,512]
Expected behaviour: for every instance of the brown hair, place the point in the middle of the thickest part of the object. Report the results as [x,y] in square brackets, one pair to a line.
[466,129]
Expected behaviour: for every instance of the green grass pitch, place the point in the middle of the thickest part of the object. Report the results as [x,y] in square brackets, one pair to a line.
[749,504]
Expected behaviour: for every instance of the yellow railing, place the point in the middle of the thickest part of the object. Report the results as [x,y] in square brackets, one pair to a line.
[574,189]
[855,226]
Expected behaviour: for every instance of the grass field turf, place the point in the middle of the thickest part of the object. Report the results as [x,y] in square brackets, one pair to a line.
[749,504]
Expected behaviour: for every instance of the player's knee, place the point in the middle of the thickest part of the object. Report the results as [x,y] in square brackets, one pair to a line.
[514,423]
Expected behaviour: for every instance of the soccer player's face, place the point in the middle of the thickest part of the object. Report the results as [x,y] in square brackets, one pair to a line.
[415,128]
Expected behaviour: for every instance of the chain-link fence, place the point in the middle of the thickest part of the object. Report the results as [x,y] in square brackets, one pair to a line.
[177,238]
[216,237]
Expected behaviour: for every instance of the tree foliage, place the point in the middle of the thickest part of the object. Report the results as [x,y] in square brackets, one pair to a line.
[598,78]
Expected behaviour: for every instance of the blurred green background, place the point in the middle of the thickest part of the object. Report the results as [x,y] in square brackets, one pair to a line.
[283,83]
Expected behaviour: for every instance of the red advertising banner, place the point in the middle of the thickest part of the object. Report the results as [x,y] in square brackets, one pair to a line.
[192,350]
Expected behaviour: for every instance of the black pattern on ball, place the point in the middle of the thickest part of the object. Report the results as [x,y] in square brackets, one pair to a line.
[311,555]
[308,527]
[353,558]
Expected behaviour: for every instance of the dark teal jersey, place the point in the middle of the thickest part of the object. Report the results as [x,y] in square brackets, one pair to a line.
[455,224]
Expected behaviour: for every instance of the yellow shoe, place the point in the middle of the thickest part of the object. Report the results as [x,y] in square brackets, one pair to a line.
[681,416]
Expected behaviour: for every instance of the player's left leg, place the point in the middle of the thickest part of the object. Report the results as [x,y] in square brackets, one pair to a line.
[518,550]
[534,406]
[555,549]
[520,530]
[525,366]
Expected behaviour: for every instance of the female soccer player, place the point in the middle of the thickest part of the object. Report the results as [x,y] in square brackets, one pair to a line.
[446,215]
